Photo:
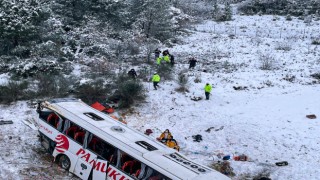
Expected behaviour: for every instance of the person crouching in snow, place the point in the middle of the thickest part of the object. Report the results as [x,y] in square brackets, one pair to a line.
[172,143]
[165,136]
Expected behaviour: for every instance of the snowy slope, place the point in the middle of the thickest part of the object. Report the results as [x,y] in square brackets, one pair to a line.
[266,121]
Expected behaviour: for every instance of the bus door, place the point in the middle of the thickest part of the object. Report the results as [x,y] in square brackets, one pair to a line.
[82,169]
[86,160]
[100,169]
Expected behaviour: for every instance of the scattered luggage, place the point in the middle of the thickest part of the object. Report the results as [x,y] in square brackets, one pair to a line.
[197,138]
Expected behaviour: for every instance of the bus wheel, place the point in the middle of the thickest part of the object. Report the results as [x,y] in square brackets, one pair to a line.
[64,162]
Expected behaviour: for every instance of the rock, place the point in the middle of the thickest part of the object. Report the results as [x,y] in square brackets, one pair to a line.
[311,116]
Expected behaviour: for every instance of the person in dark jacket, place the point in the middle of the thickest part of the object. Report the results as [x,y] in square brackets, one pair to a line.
[171,59]
[157,53]
[132,73]
[192,63]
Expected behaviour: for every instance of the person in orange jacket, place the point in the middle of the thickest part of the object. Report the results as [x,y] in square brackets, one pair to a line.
[165,136]
[172,143]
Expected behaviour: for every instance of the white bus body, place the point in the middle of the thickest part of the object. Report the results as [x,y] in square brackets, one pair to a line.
[92,145]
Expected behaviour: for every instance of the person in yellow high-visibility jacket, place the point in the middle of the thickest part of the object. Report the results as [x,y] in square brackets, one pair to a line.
[207,90]
[159,59]
[155,80]
[166,58]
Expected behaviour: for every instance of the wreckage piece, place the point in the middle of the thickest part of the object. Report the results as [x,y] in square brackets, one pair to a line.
[2,122]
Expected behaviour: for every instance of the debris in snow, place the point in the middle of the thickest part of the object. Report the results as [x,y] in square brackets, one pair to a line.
[34,173]
[2,122]
[197,138]
[220,128]
[311,116]
[223,167]
[209,129]
[240,158]
[282,163]
[237,88]
[196,98]
[30,124]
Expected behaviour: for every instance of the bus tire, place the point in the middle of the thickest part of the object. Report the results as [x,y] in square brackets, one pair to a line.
[64,162]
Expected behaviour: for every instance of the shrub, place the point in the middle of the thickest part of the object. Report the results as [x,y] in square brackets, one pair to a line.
[316,76]
[267,62]
[128,91]
[198,79]
[13,91]
[165,71]
[285,46]
[316,41]
[53,85]
[288,17]
[182,81]
[92,91]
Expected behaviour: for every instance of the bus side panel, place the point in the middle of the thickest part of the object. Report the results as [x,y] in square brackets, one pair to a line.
[48,130]
[72,157]
[82,169]
[100,169]
[116,174]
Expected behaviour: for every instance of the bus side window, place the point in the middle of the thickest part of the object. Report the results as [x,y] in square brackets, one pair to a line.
[130,165]
[103,149]
[53,119]
[56,121]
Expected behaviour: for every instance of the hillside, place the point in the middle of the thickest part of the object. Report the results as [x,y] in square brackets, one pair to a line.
[269,61]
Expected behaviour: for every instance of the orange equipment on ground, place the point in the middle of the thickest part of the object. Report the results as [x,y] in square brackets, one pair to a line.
[109,110]
[102,108]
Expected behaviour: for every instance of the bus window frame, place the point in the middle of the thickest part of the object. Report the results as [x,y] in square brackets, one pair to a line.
[61,121]
[72,138]
[103,141]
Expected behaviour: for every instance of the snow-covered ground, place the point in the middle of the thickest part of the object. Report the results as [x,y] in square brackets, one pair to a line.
[266,121]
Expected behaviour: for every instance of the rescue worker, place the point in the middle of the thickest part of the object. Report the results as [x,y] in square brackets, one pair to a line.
[132,73]
[207,90]
[166,58]
[165,136]
[155,80]
[159,59]
[172,143]
[165,52]
[171,60]
[157,53]
[192,63]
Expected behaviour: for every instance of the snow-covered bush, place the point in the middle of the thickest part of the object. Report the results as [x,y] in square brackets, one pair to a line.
[54,86]
[267,61]
[129,91]
[165,71]
[13,91]
[279,7]
[285,46]
[93,90]
[182,80]
[38,65]
[197,9]
[316,41]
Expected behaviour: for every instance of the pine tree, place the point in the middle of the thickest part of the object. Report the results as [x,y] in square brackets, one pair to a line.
[20,26]
[154,19]
[216,10]
[228,11]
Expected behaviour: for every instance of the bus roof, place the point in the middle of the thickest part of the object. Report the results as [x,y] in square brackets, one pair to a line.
[131,141]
